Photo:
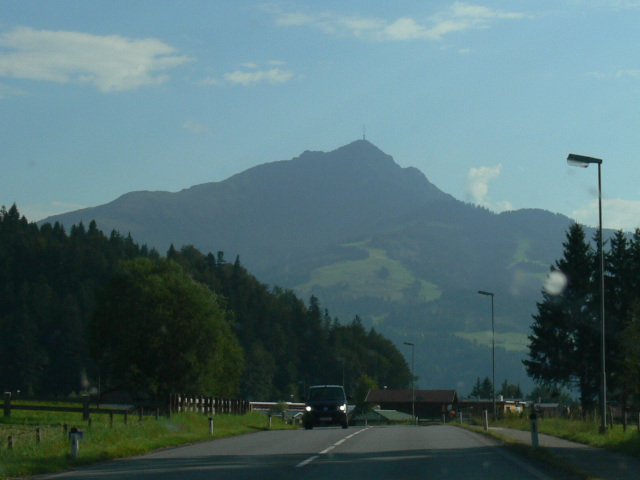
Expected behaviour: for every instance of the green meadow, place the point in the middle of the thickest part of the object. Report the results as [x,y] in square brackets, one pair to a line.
[510,341]
[375,276]
[101,441]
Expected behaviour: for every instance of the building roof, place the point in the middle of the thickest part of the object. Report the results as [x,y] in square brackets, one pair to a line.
[404,396]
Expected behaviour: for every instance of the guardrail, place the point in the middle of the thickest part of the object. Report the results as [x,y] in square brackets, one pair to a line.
[208,405]
[266,407]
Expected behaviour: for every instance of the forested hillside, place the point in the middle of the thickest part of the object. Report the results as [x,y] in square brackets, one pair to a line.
[74,305]
[368,237]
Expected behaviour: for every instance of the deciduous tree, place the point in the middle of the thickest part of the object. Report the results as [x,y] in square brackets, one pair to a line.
[158,331]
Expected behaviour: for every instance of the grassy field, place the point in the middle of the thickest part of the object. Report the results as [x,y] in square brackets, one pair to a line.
[364,278]
[585,432]
[510,341]
[103,442]
[582,431]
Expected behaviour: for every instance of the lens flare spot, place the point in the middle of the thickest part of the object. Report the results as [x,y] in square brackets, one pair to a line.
[555,283]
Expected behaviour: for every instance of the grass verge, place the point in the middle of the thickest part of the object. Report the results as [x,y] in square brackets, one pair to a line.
[101,441]
[539,455]
[580,431]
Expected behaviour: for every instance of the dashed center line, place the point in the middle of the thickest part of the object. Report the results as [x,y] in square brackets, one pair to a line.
[307,461]
[328,449]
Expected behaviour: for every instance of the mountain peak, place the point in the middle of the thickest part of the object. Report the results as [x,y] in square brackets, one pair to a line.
[360,148]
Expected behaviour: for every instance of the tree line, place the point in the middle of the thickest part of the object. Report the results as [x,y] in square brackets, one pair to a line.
[81,311]
[564,349]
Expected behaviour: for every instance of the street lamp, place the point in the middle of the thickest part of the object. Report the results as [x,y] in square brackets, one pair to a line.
[493,351]
[584,162]
[413,393]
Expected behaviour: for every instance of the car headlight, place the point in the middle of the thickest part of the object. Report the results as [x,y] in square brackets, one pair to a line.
[343,408]
[307,408]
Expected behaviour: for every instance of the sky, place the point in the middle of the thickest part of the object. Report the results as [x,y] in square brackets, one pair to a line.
[486,98]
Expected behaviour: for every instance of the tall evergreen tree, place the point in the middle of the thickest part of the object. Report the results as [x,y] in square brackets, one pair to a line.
[482,389]
[619,298]
[563,347]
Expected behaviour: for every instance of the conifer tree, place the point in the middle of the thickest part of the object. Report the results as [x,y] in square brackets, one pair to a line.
[564,345]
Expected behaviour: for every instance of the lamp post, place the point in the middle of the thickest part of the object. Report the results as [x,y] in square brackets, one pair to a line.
[493,351]
[584,162]
[413,393]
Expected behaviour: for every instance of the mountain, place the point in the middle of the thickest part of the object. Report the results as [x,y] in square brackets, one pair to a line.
[283,209]
[367,237]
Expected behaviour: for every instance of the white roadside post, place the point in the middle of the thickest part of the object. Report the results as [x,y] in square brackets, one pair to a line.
[75,435]
[534,429]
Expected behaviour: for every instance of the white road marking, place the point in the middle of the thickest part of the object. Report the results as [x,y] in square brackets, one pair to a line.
[328,449]
[307,461]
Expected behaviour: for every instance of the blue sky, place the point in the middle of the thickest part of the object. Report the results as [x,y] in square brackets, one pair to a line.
[486,98]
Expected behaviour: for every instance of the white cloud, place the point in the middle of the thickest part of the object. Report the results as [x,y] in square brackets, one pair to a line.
[404,29]
[459,17]
[209,81]
[111,63]
[628,73]
[252,73]
[614,5]
[617,214]
[477,12]
[504,206]
[196,127]
[273,75]
[294,19]
[478,179]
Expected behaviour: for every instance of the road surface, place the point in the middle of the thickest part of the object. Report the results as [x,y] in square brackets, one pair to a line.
[395,452]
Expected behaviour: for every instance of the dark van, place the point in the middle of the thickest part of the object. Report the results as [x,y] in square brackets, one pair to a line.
[325,405]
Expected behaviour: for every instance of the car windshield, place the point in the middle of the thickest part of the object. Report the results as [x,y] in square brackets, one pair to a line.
[326,393]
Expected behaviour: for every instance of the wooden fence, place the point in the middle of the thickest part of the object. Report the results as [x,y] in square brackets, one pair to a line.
[85,408]
[177,403]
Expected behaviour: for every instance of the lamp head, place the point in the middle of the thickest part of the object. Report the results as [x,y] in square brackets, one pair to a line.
[581,160]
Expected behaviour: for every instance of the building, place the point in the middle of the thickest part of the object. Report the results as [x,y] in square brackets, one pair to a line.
[428,404]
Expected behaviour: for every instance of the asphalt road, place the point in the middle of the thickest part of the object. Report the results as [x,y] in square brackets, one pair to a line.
[399,452]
